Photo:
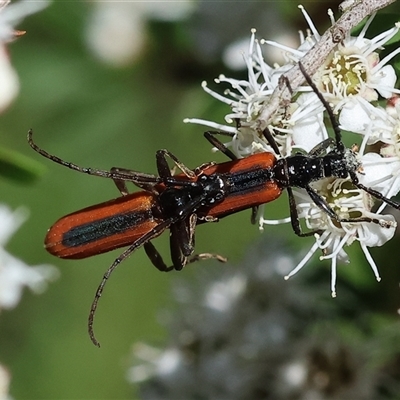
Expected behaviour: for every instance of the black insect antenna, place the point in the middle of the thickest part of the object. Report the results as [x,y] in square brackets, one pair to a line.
[335,125]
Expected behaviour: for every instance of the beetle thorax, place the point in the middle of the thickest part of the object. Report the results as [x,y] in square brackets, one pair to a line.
[214,188]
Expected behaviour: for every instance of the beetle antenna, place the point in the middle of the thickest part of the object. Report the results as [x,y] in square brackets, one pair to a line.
[271,140]
[138,243]
[328,108]
[130,176]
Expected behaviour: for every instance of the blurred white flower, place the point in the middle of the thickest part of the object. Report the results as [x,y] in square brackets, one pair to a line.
[14,273]
[5,378]
[11,15]
[116,31]
[270,341]
[9,82]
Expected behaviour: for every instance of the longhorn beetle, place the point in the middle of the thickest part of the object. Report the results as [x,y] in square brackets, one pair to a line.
[207,193]
[178,203]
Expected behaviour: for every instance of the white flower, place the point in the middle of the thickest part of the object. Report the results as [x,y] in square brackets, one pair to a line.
[378,125]
[9,82]
[222,295]
[5,379]
[353,69]
[348,202]
[307,123]
[116,32]
[154,361]
[10,15]
[14,273]
[246,100]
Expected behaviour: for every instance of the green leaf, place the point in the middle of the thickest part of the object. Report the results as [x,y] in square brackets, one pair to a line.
[19,168]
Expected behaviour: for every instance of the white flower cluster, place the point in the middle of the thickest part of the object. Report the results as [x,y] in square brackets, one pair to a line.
[352,80]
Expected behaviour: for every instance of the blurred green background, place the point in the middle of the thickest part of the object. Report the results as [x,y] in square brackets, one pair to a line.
[96,115]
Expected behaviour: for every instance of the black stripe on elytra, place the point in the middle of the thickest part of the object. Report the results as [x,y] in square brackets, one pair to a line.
[102,228]
[245,182]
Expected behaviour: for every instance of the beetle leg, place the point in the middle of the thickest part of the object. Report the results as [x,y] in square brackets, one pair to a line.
[179,253]
[254,212]
[324,206]
[182,241]
[201,168]
[294,217]
[163,167]
[156,258]
[206,256]
[121,183]
[321,148]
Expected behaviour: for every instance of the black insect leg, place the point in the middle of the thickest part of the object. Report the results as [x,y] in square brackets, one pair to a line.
[206,256]
[321,148]
[158,262]
[156,258]
[166,175]
[254,213]
[294,217]
[324,206]
[163,167]
[119,183]
[182,244]
[146,182]
[181,247]
[182,241]
[374,193]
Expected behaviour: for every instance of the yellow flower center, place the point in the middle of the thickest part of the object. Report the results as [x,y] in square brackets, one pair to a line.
[344,74]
